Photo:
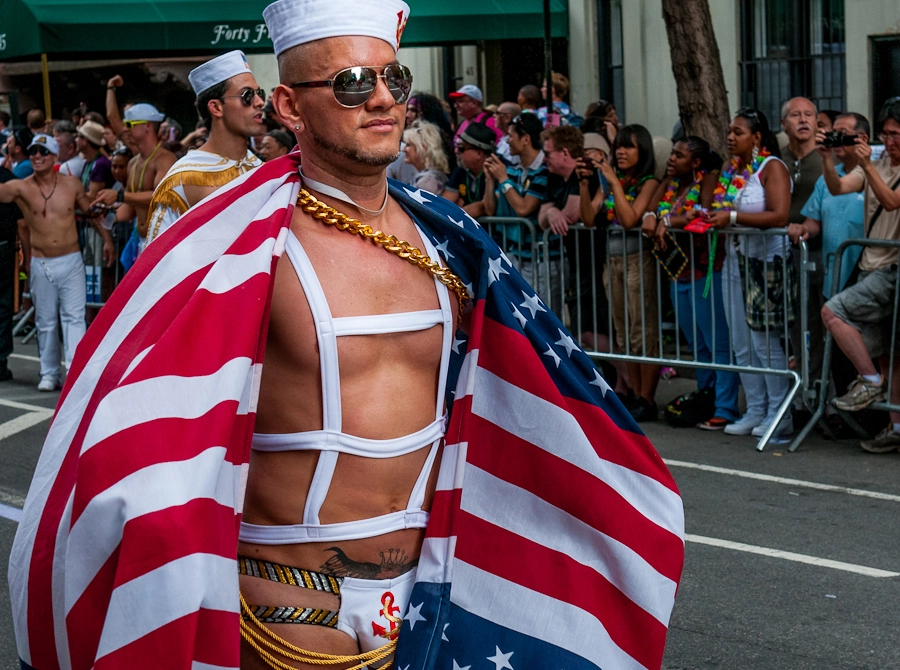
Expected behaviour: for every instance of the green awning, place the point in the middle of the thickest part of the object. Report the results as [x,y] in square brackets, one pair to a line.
[74,29]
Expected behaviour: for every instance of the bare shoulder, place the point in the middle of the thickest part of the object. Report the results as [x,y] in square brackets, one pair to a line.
[775,168]
[163,160]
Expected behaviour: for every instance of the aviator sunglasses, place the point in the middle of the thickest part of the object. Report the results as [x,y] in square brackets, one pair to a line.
[34,151]
[248,95]
[353,86]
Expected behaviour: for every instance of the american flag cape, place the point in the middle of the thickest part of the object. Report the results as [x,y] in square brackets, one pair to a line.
[556,533]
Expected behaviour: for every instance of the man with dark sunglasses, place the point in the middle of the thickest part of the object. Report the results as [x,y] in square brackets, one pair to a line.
[230,103]
[48,201]
[148,167]
[318,504]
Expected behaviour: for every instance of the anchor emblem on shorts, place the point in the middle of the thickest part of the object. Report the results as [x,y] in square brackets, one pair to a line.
[388,611]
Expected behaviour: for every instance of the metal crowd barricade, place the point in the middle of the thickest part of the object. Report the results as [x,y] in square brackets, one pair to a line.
[587,279]
[821,396]
[520,240]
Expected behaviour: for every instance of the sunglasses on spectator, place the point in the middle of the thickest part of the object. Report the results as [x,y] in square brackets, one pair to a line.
[34,151]
[131,124]
[354,86]
[248,95]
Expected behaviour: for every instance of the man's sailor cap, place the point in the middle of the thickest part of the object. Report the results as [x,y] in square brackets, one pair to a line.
[218,70]
[295,22]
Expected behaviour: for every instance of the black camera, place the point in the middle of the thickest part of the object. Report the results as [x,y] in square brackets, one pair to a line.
[835,138]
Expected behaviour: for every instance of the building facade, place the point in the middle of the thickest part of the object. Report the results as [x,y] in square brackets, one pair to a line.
[843,54]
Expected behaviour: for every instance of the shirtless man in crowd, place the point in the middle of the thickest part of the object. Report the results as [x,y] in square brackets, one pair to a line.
[50,242]
[148,167]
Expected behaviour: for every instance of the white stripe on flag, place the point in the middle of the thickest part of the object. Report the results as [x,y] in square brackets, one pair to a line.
[436,560]
[152,399]
[197,665]
[450,473]
[168,593]
[556,431]
[525,611]
[230,271]
[523,513]
[98,531]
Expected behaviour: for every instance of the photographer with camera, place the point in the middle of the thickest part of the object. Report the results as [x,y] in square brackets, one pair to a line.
[859,317]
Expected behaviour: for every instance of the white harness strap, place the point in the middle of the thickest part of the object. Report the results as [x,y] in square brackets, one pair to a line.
[331,441]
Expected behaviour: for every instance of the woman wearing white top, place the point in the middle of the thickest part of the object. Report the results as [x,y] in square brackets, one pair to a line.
[755,191]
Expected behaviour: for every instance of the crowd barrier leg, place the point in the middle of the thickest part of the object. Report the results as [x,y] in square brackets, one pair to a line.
[822,382]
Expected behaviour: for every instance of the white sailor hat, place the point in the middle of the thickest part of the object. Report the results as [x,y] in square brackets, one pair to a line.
[295,22]
[218,70]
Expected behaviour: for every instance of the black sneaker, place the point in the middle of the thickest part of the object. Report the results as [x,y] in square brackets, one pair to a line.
[643,410]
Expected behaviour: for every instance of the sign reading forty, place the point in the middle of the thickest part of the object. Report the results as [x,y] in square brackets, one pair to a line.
[223,33]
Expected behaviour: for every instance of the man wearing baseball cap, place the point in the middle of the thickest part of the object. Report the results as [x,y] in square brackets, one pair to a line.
[466,184]
[230,104]
[469,103]
[56,277]
[148,167]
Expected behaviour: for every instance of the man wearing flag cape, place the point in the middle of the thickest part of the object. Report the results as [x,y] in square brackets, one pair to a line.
[427,471]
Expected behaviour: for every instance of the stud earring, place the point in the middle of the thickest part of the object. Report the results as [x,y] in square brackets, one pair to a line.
[296,127]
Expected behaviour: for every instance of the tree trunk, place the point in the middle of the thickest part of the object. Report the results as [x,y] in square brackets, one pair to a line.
[702,98]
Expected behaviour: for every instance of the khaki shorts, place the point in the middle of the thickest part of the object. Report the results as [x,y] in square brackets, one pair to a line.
[869,306]
[640,330]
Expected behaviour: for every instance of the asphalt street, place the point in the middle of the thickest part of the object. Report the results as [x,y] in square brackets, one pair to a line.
[792,560]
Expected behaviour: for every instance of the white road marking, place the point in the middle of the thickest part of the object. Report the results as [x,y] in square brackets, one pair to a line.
[24,422]
[784,480]
[790,556]
[11,513]
[21,405]
[25,357]
[8,497]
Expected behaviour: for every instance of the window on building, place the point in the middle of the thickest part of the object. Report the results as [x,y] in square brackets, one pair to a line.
[791,48]
[609,31]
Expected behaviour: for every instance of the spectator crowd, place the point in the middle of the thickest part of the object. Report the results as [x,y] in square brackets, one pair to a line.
[656,205]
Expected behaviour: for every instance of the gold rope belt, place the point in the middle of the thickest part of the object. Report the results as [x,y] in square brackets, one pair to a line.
[264,647]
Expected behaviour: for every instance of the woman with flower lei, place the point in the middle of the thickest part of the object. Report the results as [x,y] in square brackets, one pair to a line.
[631,188]
[683,196]
[754,190]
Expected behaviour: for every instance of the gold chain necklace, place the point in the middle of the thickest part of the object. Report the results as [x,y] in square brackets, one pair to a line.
[330,216]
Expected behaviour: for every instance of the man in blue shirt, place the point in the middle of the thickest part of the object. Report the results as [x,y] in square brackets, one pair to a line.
[16,148]
[518,191]
[836,218]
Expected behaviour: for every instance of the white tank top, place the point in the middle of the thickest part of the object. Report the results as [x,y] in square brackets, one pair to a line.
[331,441]
[752,200]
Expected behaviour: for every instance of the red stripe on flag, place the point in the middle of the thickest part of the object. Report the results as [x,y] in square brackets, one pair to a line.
[208,636]
[199,527]
[585,497]
[523,368]
[512,557]
[84,622]
[444,509]
[161,441]
[169,355]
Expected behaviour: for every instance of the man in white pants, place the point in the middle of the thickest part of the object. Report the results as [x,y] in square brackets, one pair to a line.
[50,240]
